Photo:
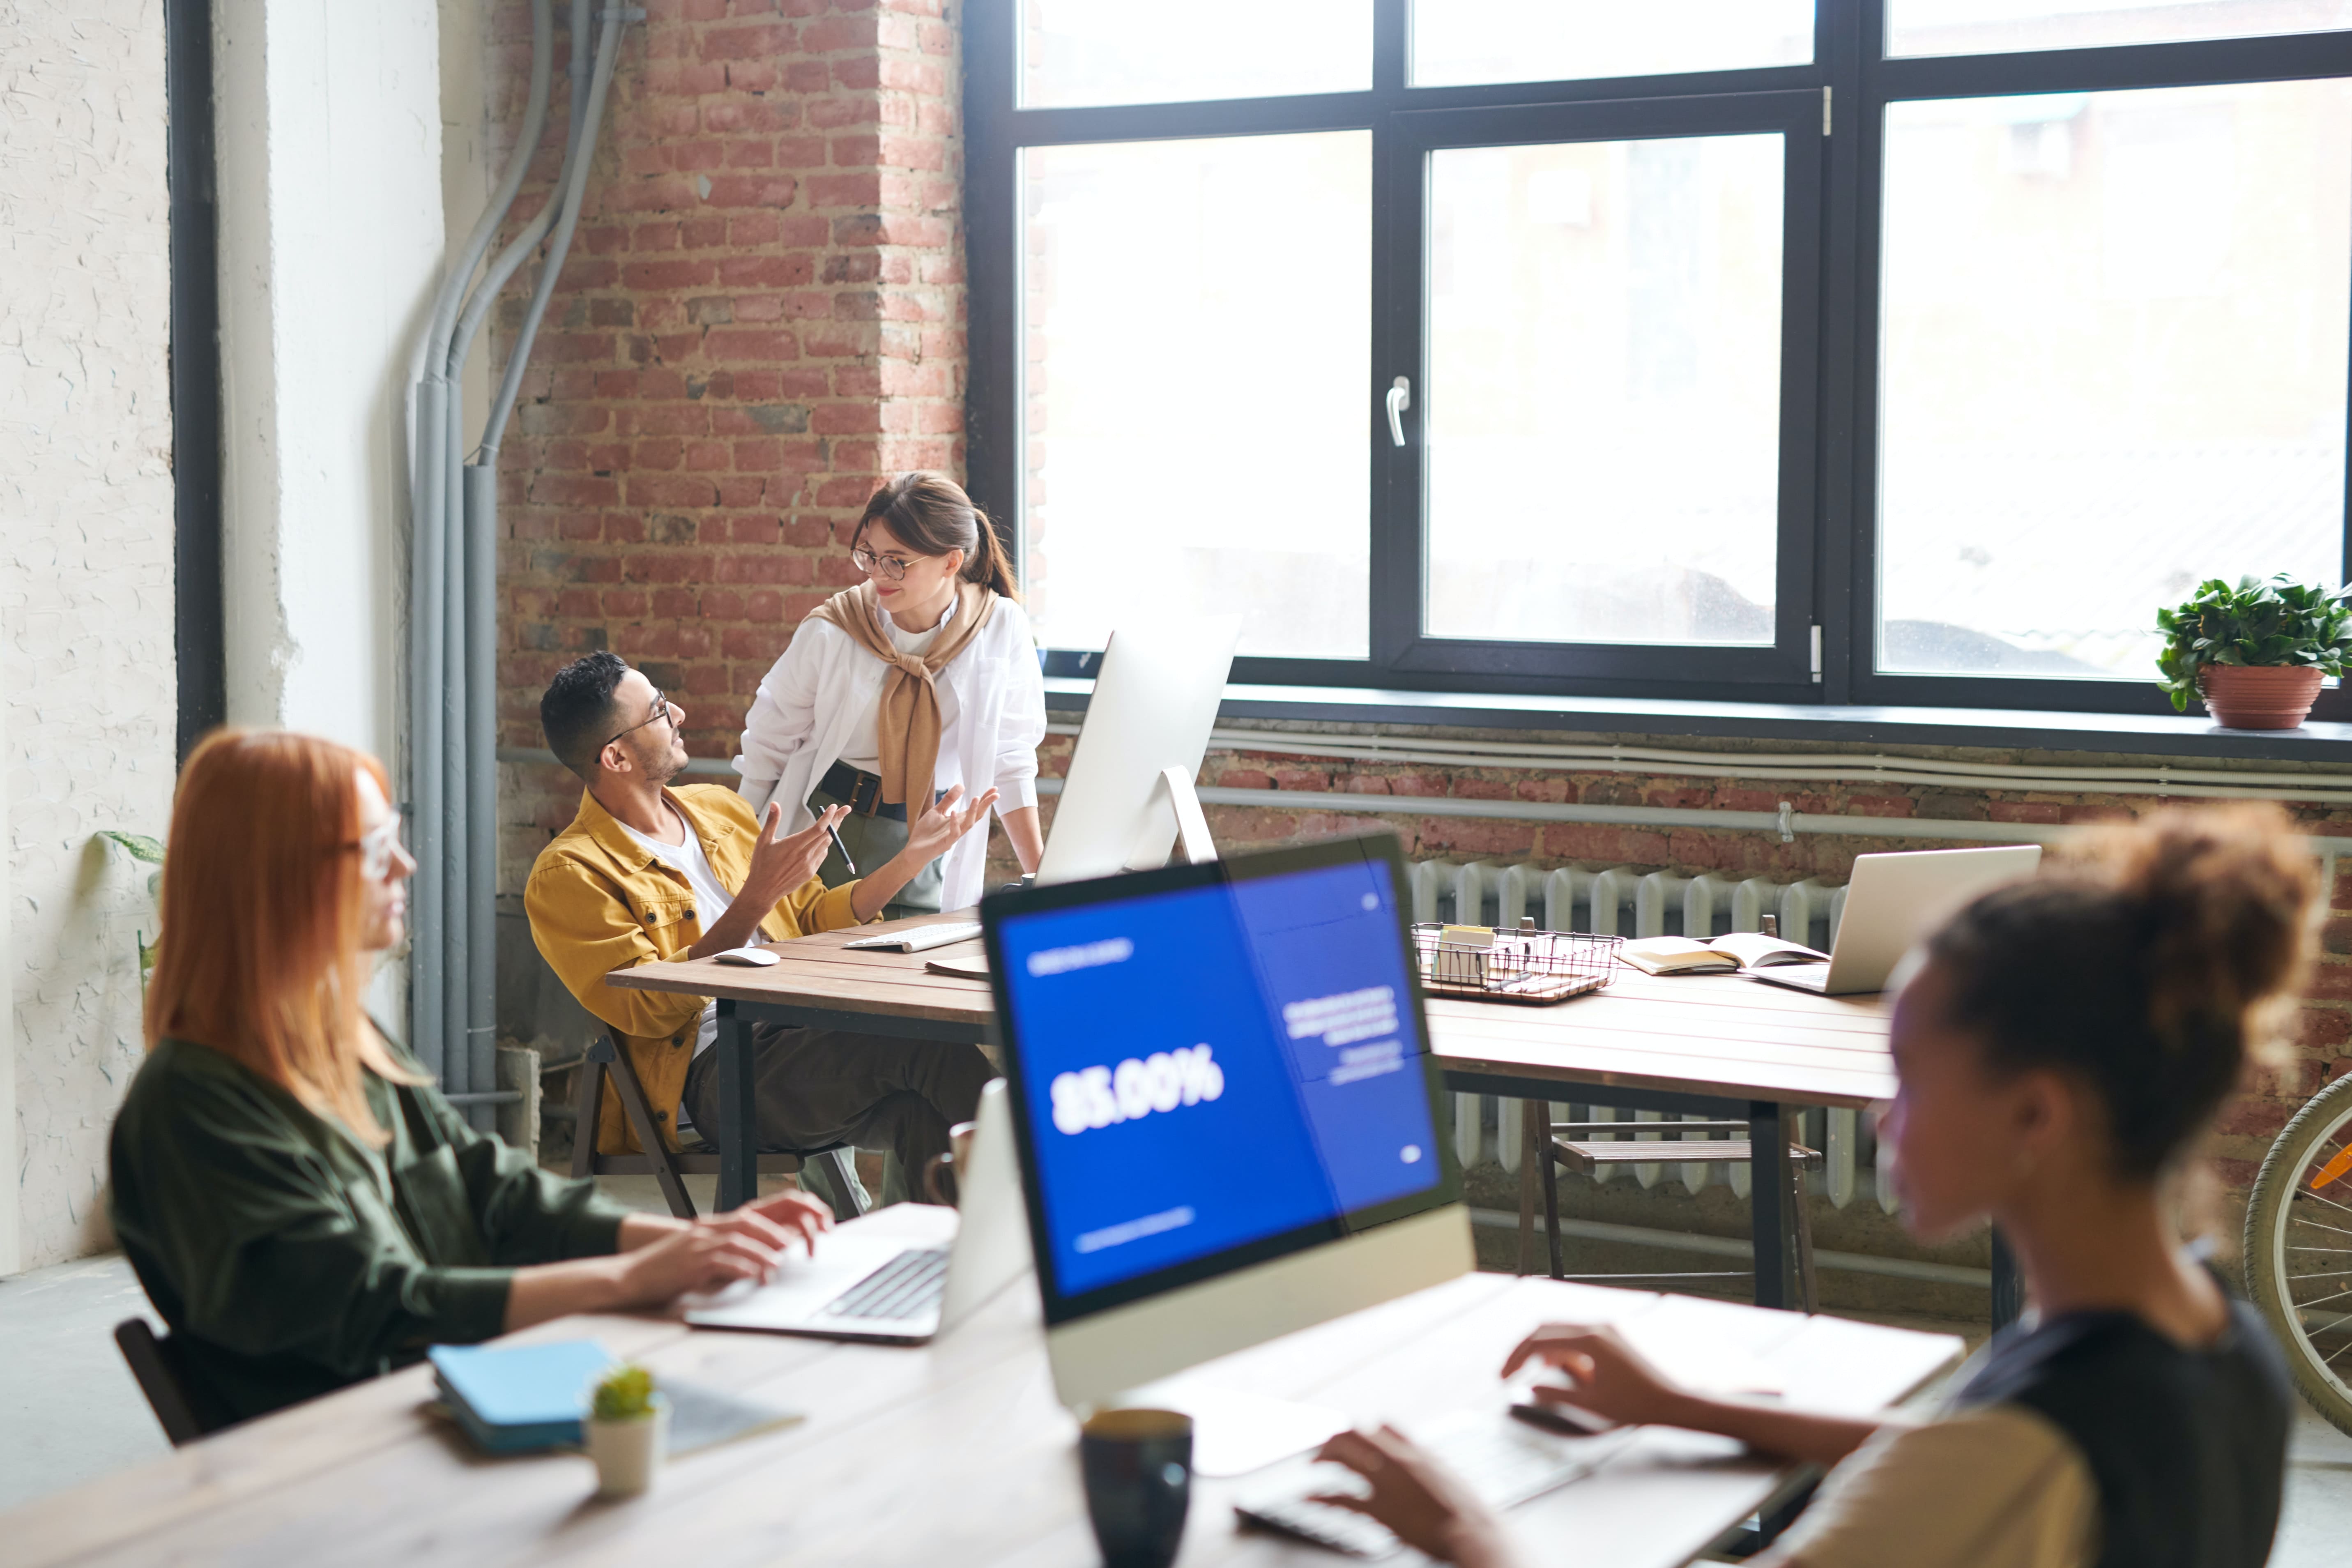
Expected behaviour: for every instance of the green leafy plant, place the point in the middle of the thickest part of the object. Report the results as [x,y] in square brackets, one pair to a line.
[140,847]
[2275,623]
[623,1393]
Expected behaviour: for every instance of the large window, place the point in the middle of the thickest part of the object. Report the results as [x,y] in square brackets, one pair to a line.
[1896,351]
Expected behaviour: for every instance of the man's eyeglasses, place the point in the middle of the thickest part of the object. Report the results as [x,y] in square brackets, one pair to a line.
[894,567]
[662,710]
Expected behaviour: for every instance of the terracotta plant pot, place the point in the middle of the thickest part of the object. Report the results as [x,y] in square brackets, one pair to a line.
[2246,697]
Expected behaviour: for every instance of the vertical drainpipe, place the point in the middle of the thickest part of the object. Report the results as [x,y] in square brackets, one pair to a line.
[426,679]
[476,994]
[436,579]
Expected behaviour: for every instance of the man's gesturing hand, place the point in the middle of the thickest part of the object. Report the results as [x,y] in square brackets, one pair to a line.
[781,862]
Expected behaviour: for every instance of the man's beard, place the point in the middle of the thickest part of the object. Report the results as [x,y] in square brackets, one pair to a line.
[665,765]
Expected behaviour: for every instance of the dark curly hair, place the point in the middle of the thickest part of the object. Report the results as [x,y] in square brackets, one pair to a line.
[2147,963]
[576,714]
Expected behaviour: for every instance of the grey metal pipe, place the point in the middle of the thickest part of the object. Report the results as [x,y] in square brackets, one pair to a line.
[438,414]
[427,651]
[608,42]
[520,250]
[458,834]
[578,65]
[482,783]
[469,983]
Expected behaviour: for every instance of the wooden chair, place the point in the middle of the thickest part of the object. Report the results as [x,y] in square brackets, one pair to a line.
[665,1168]
[155,1362]
[1575,1145]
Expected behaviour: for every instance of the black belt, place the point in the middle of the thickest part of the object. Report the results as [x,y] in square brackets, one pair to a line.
[860,791]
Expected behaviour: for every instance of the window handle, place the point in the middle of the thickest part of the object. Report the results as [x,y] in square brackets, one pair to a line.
[1400,399]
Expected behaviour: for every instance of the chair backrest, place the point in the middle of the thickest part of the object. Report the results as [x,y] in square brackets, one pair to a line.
[156,1364]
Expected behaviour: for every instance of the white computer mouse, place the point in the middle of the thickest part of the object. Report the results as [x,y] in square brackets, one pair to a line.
[752,957]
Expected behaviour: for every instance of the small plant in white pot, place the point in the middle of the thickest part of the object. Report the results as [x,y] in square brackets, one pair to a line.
[2256,653]
[627,1430]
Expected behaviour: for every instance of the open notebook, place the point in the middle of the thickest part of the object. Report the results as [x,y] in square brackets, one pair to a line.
[1733,950]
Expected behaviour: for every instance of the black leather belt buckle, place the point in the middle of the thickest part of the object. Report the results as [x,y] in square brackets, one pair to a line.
[865,794]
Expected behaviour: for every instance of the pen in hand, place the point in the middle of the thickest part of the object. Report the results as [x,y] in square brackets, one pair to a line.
[843,849]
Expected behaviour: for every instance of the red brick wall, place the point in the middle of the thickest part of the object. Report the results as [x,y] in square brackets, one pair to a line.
[763,312]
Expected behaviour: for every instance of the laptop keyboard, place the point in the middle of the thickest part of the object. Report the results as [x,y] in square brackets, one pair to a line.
[908,1286]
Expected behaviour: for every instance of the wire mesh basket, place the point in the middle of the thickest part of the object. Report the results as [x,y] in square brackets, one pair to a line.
[1495,963]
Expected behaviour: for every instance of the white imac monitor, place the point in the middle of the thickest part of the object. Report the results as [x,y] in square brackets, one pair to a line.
[1154,702]
[1225,1103]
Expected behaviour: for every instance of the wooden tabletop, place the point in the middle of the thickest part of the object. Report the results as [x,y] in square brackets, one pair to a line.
[1692,1034]
[953,1453]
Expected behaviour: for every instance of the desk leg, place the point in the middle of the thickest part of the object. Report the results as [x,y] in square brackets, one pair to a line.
[738,1132]
[2008,1283]
[1533,1137]
[1767,1190]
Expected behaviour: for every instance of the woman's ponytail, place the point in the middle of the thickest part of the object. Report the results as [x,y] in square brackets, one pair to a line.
[990,564]
[930,515]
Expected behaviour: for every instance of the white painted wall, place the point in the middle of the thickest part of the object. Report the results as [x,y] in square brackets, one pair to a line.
[329,141]
[87,689]
[329,135]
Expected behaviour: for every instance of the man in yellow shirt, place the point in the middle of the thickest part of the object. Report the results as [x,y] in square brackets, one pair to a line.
[646,873]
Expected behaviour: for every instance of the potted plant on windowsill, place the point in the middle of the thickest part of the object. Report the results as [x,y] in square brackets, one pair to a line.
[2256,653]
[626,1430]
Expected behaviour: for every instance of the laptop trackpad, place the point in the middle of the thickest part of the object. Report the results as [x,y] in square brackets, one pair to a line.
[802,1286]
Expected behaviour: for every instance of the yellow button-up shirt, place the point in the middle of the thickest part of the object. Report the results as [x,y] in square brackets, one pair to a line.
[599,901]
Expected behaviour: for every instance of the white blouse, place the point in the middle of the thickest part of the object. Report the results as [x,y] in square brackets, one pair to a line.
[818,702]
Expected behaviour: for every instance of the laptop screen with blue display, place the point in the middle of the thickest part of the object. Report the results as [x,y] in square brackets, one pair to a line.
[1206,1067]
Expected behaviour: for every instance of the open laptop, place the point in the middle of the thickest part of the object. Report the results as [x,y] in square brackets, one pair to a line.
[1892,901]
[880,1289]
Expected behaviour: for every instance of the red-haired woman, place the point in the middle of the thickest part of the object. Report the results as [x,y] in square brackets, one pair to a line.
[302,1205]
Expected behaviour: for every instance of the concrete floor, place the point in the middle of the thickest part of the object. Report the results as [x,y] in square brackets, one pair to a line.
[71,1410]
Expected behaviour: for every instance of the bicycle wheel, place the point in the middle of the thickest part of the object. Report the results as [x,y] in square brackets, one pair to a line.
[2299,1248]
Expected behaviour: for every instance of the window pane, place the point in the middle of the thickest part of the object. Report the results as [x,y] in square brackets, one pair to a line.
[1604,399]
[1993,26]
[2112,365]
[1457,43]
[1078,52]
[1198,369]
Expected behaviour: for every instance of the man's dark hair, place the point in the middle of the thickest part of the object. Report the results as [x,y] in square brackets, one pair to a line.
[578,712]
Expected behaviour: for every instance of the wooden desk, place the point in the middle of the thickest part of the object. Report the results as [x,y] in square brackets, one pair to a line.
[1713,1046]
[954,1453]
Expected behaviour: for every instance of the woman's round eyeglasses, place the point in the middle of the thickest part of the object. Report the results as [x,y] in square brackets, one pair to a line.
[894,567]
[378,843]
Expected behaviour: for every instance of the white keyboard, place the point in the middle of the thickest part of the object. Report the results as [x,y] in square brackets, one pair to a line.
[1506,1462]
[923,939]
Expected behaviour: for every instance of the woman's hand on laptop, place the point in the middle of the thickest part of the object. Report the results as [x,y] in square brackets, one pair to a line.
[1423,1503]
[795,1212]
[715,1251]
[1605,1375]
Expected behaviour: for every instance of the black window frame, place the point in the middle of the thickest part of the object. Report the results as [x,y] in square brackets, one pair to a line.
[1829,524]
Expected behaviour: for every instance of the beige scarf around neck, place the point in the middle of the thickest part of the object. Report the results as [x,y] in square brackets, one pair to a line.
[908,725]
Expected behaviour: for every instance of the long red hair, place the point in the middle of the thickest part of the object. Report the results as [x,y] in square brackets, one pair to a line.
[260,955]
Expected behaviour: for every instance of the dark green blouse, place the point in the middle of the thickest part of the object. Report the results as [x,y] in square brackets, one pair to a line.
[289,1258]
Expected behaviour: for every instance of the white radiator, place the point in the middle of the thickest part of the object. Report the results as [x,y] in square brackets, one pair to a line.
[1624,900]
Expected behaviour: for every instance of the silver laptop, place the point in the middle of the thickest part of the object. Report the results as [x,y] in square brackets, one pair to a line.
[1892,901]
[879,1288]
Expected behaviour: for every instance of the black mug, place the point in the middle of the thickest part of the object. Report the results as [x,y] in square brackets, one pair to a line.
[1139,1474]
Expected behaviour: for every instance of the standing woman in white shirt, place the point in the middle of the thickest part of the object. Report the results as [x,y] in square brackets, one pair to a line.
[923,675]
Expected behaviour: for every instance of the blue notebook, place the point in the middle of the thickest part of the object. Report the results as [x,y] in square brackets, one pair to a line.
[513,1399]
